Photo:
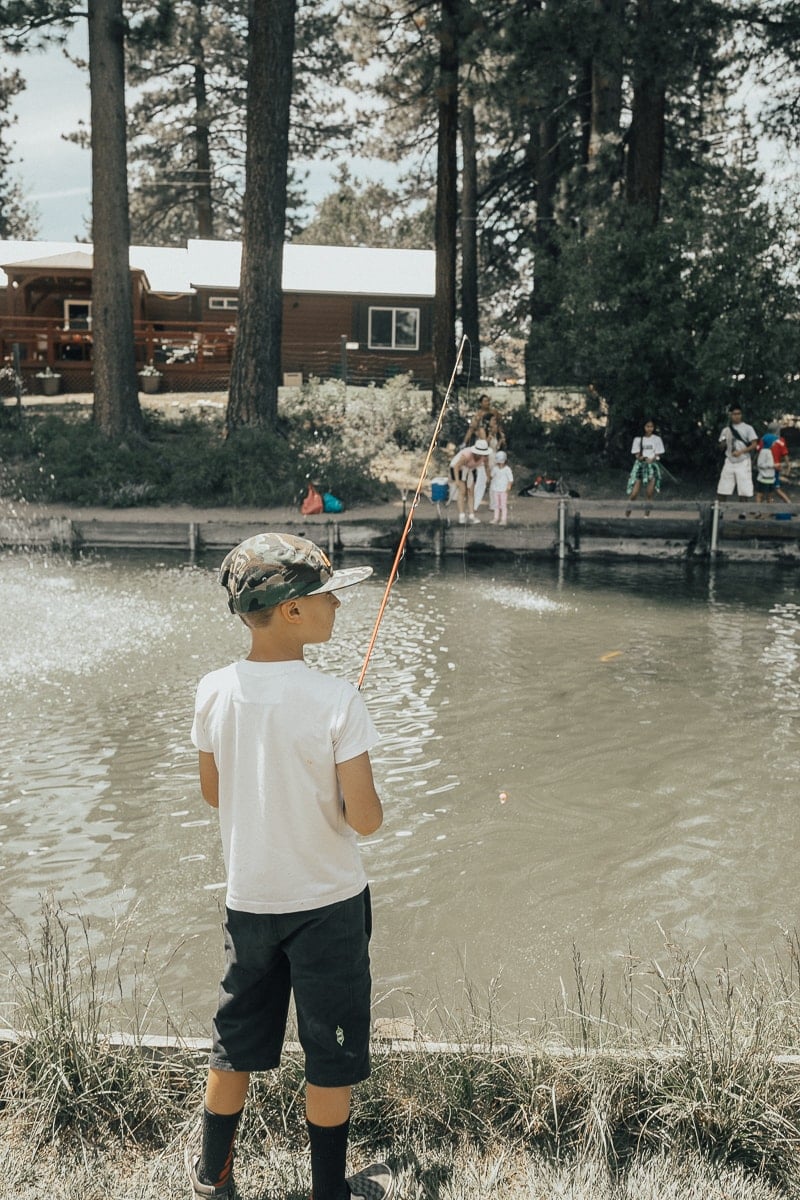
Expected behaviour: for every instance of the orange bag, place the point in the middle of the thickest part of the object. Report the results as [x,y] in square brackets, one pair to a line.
[312,502]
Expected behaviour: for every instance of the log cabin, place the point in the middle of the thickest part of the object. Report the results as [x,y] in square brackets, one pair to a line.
[356,312]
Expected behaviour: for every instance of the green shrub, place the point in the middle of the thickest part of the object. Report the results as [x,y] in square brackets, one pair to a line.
[574,443]
[525,433]
[58,459]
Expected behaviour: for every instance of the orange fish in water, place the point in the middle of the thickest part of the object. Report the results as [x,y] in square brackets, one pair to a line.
[612,654]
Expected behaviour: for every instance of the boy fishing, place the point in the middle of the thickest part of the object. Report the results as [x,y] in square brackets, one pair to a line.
[284,757]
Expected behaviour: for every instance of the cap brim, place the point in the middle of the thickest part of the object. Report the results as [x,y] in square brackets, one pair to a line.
[342,579]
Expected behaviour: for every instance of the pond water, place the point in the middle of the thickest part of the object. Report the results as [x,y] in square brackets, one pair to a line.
[586,756]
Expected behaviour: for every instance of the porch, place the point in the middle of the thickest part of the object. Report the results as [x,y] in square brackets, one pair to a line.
[192,357]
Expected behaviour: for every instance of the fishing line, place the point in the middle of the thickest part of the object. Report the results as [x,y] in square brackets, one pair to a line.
[409,519]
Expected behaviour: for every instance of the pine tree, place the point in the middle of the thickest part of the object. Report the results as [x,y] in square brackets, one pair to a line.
[255,371]
[116,398]
[188,137]
[356,213]
[16,218]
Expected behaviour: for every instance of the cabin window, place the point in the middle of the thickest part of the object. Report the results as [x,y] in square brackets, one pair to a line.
[394,329]
[77,314]
[223,302]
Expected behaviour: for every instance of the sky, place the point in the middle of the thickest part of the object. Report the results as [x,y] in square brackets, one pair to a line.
[55,174]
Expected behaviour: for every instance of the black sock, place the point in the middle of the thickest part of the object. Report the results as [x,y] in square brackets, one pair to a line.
[328,1155]
[216,1154]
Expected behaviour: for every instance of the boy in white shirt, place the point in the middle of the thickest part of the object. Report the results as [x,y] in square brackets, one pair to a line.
[284,757]
[499,487]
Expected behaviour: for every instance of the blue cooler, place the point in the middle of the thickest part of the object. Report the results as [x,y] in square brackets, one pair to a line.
[440,490]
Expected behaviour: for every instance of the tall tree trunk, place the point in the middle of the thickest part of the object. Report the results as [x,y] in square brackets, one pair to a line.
[546,141]
[583,102]
[469,234]
[256,367]
[604,133]
[646,139]
[446,219]
[116,398]
[604,162]
[203,205]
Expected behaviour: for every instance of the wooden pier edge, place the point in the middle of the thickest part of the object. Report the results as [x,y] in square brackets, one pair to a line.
[567,529]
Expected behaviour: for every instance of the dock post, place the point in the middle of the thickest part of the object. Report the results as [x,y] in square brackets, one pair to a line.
[714,526]
[437,541]
[192,541]
[562,527]
[331,539]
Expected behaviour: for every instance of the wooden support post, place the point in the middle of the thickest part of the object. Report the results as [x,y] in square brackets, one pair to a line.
[714,527]
[562,527]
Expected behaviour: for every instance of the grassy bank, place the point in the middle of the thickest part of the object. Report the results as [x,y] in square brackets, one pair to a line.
[361,444]
[658,1083]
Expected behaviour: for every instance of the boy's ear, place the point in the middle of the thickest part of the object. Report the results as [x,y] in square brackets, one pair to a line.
[290,611]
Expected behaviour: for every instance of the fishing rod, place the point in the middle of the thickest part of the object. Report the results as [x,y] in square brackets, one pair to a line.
[409,519]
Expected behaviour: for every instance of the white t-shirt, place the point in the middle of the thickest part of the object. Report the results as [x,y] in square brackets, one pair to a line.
[648,446]
[501,478]
[277,731]
[745,432]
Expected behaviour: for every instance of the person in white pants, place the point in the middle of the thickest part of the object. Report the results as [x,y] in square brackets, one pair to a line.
[740,441]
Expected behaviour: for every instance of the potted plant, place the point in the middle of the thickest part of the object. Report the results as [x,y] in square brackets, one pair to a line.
[49,382]
[150,378]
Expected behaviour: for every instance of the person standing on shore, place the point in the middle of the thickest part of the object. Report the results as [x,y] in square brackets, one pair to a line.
[464,466]
[647,450]
[499,487]
[740,441]
[284,757]
[481,422]
[775,440]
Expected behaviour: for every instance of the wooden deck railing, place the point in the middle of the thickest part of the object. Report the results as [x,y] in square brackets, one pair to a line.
[188,356]
[48,343]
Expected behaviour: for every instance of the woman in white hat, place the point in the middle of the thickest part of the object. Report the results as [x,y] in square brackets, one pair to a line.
[463,469]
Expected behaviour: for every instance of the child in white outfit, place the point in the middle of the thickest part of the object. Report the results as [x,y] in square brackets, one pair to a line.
[499,487]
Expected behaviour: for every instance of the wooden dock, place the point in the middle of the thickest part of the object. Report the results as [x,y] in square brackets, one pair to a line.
[558,528]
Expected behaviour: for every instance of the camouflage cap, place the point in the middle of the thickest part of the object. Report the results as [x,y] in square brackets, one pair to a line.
[269,568]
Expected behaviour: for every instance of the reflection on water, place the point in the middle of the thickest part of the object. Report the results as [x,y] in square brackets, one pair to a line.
[574,756]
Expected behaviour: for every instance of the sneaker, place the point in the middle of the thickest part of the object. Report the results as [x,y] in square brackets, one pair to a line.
[473,520]
[462,518]
[375,1182]
[207,1190]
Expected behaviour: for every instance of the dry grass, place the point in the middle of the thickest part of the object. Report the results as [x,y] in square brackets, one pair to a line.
[617,1091]
[461,1174]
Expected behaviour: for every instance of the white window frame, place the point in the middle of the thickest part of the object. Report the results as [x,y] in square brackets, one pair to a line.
[87,304]
[394,309]
[229,303]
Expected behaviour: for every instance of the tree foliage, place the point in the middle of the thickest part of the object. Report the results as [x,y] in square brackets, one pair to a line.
[188,128]
[16,220]
[360,213]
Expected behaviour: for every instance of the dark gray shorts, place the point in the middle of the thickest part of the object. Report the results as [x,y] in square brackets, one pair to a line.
[323,957]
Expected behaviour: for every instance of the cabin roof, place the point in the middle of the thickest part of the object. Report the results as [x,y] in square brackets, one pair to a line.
[352,270]
[75,260]
[342,270]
